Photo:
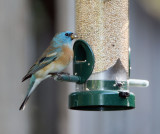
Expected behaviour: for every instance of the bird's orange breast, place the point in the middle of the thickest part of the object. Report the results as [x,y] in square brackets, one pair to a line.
[59,64]
[66,56]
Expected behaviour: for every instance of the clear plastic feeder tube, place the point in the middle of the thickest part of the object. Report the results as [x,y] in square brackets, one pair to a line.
[103,24]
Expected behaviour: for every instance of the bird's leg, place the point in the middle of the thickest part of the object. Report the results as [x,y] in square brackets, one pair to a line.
[64,73]
[54,74]
[59,74]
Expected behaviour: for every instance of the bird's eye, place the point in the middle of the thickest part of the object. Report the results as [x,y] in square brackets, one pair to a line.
[66,34]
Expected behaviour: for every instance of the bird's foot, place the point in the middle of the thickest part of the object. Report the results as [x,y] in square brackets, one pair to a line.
[65,73]
[59,74]
[55,76]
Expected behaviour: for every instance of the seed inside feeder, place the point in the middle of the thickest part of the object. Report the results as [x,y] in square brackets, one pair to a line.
[104,25]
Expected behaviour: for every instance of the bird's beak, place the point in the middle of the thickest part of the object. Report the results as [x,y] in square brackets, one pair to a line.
[73,36]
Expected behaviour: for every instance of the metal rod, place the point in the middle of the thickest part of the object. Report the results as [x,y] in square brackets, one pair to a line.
[68,78]
[138,83]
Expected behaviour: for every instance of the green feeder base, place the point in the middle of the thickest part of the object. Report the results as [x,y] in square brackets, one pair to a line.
[101,100]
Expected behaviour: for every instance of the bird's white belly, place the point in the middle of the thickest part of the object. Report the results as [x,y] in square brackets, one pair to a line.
[51,68]
[56,68]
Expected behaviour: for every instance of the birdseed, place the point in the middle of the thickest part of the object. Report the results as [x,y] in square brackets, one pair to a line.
[104,25]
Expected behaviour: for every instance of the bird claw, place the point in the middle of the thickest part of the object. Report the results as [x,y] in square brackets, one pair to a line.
[59,74]
[65,73]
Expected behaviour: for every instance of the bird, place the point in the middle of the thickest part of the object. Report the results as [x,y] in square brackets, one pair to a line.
[53,61]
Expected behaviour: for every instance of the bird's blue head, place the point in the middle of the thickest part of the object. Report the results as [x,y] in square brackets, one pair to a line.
[64,38]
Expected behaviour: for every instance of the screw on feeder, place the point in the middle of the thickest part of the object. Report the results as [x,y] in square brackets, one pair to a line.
[124,94]
[118,84]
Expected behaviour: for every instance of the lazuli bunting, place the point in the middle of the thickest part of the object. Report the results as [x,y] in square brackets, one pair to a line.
[53,61]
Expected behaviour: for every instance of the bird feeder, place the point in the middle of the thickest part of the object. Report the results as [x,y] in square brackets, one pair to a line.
[101,64]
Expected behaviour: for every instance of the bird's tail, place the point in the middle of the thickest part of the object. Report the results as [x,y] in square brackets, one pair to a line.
[33,84]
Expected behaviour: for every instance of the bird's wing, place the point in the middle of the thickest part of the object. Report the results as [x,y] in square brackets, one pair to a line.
[50,55]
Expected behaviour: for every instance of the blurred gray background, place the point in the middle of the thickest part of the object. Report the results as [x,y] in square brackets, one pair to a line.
[26,28]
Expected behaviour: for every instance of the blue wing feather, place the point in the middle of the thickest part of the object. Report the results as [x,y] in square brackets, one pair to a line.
[42,62]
